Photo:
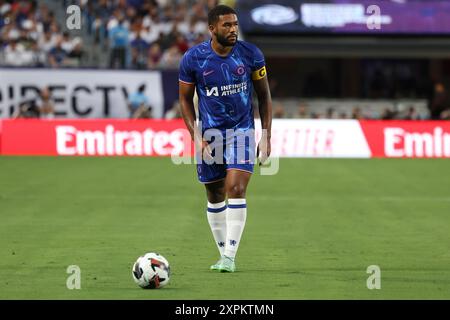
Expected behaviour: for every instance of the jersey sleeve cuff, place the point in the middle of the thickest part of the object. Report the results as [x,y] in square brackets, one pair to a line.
[186,81]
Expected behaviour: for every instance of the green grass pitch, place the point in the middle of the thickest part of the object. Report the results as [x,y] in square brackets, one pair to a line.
[312,230]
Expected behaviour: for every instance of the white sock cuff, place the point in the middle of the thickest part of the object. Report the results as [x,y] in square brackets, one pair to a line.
[217,207]
[237,203]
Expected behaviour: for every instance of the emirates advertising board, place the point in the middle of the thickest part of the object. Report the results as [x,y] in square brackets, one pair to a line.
[290,138]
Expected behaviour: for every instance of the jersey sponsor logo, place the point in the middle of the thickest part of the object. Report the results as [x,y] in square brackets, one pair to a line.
[227,90]
[259,74]
[234,88]
[214,91]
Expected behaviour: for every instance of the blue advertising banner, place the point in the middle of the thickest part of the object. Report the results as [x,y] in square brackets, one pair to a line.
[363,17]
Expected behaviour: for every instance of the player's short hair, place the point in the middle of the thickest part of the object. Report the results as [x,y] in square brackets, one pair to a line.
[217,11]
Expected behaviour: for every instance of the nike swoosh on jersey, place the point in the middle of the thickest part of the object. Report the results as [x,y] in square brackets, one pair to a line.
[206,73]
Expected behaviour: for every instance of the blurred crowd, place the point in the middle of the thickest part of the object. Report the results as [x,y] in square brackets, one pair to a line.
[147,34]
[306,111]
[30,35]
[134,34]
[438,108]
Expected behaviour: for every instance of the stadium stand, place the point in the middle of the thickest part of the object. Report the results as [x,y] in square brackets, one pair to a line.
[157,33]
[31,36]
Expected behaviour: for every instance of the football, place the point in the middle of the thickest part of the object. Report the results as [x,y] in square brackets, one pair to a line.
[151,271]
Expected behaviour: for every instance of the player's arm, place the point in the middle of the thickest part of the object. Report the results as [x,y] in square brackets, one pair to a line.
[186,97]
[261,85]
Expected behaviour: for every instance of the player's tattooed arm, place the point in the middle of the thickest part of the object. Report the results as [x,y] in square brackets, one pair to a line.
[186,97]
[261,86]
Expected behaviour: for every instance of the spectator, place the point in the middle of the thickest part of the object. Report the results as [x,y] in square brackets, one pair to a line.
[330,113]
[191,36]
[445,115]
[388,114]
[315,115]
[41,106]
[45,104]
[174,112]
[119,42]
[302,111]
[37,57]
[57,55]
[171,57]
[154,56]
[99,12]
[356,113]
[136,4]
[48,19]
[66,43]
[47,41]
[25,38]
[15,54]
[439,102]
[278,111]
[343,115]
[36,28]
[77,52]
[150,34]
[139,49]
[200,38]
[28,108]
[411,114]
[138,104]
[181,43]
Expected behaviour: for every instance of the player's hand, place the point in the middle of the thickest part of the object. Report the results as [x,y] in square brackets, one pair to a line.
[264,149]
[205,149]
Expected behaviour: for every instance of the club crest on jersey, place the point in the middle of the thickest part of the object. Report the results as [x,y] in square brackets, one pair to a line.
[240,70]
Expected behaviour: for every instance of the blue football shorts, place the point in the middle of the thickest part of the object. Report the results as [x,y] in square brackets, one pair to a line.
[234,150]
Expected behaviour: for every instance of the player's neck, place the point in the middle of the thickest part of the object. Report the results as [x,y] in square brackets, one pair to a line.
[220,49]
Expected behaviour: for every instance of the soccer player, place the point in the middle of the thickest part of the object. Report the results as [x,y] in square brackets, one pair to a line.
[223,71]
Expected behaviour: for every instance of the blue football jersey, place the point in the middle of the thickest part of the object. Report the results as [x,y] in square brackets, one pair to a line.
[224,84]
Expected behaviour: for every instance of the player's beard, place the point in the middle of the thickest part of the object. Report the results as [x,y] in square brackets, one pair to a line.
[224,41]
